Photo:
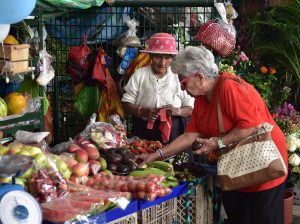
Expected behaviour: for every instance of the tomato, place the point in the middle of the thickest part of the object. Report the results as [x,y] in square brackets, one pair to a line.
[132,186]
[141,195]
[151,187]
[140,186]
[124,187]
[151,196]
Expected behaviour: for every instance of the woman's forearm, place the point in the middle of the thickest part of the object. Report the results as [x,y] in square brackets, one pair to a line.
[180,144]
[132,109]
[236,135]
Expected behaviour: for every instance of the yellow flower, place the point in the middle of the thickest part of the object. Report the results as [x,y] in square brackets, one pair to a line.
[272,70]
[263,69]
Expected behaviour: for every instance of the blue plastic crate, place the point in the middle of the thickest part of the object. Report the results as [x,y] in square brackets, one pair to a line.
[176,191]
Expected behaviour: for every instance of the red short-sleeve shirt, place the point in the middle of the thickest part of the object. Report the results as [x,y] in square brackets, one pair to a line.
[242,107]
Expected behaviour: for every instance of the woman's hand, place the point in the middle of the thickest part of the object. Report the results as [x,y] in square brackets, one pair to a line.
[146,158]
[172,111]
[150,113]
[207,145]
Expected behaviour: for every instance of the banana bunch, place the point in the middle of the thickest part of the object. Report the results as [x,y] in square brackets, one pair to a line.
[159,168]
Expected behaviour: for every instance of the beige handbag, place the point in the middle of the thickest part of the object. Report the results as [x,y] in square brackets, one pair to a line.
[252,161]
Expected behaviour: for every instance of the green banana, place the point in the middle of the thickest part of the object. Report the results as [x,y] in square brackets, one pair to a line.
[162,165]
[146,171]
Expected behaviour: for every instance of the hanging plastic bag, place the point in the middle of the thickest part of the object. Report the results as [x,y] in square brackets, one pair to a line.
[87,100]
[78,64]
[44,68]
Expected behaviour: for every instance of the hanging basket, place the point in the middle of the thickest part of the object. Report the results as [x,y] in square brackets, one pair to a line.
[218,36]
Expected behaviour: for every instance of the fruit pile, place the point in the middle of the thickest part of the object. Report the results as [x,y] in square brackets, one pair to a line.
[83,159]
[120,160]
[139,146]
[142,187]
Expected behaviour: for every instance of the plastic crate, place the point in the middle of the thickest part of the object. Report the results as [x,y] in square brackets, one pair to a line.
[200,207]
[162,213]
[129,219]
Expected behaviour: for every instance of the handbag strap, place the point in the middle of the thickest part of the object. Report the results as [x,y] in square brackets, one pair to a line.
[220,117]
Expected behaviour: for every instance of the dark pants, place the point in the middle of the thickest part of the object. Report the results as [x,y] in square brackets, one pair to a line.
[263,207]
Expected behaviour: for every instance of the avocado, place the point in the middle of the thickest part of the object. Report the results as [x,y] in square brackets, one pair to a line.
[114,158]
[123,168]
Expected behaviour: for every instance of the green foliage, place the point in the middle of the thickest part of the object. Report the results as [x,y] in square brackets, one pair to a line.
[263,83]
[275,37]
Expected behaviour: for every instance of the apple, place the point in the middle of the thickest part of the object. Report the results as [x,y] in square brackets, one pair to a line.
[15,145]
[81,156]
[41,159]
[92,152]
[67,174]
[80,169]
[71,163]
[3,150]
[72,148]
[62,165]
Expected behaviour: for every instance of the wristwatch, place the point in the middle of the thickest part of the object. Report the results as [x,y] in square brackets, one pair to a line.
[220,144]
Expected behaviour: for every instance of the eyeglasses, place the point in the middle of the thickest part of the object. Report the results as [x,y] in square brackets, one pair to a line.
[187,78]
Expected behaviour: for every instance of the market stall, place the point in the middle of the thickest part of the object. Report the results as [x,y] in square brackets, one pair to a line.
[77,163]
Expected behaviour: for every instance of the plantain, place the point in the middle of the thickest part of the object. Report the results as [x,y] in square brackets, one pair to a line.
[149,170]
[167,167]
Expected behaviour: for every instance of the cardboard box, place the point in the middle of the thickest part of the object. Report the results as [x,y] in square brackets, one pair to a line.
[14,67]
[14,52]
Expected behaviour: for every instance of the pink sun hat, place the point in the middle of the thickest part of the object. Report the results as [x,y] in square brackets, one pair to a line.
[161,43]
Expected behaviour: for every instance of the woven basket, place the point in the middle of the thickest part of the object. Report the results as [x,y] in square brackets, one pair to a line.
[217,36]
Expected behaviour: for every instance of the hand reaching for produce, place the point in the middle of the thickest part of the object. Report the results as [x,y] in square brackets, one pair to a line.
[171,111]
[146,158]
[204,145]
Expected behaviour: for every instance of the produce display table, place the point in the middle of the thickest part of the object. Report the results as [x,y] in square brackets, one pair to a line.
[186,202]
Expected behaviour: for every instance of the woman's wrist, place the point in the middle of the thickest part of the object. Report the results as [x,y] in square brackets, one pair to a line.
[139,111]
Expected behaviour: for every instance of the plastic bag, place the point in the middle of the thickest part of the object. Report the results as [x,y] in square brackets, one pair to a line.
[45,69]
[27,137]
[77,64]
[87,101]
[103,134]
[131,39]
[33,105]
[61,147]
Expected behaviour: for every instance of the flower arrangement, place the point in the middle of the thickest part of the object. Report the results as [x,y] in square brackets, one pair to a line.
[288,119]
[236,62]
[262,79]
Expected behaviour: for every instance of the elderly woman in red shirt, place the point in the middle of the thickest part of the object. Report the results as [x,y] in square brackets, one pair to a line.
[242,110]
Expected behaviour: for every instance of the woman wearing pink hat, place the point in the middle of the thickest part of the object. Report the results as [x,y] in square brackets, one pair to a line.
[155,90]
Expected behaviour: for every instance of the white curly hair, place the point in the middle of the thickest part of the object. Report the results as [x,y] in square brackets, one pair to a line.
[193,60]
